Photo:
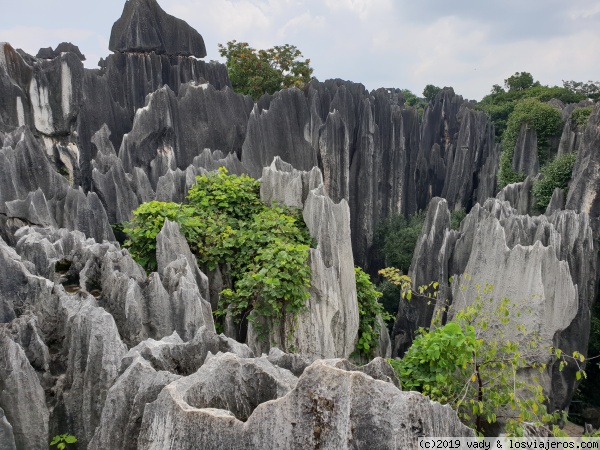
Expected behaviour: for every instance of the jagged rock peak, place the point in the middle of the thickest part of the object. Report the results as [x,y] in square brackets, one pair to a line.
[63,47]
[145,27]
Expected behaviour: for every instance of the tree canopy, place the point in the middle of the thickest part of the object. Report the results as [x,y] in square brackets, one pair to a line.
[257,72]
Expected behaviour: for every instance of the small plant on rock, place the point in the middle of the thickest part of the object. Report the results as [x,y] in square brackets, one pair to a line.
[62,440]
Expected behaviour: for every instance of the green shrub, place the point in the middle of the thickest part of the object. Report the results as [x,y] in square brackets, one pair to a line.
[396,237]
[581,115]
[459,365]
[369,310]
[546,120]
[226,223]
[555,174]
[148,220]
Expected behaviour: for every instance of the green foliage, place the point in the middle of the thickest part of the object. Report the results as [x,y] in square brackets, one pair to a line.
[257,72]
[546,120]
[148,220]
[581,115]
[369,310]
[590,90]
[396,237]
[555,174]
[456,218]
[430,92]
[62,440]
[459,364]
[519,81]
[225,222]
[499,104]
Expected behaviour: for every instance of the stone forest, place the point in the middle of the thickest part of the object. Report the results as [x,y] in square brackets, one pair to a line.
[184,266]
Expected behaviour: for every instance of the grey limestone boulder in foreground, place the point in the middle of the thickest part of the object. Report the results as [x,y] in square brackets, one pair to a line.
[145,27]
[329,408]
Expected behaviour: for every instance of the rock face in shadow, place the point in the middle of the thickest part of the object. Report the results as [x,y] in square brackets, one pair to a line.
[544,263]
[171,130]
[144,27]
[525,159]
[585,183]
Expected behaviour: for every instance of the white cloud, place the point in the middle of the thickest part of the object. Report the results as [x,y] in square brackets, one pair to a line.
[304,23]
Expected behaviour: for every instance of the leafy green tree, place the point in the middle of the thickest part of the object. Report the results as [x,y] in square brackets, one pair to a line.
[257,72]
[499,104]
[590,90]
[545,118]
[555,174]
[581,116]
[369,310]
[430,92]
[396,237]
[457,363]
[520,81]
[225,222]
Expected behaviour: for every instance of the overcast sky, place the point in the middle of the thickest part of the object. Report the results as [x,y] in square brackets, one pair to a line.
[469,45]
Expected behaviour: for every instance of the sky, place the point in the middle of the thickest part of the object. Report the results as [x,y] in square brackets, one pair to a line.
[406,44]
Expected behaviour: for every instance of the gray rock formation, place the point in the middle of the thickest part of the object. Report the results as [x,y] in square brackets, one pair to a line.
[328,408]
[145,27]
[141,307]
[7,438]
[519,195]
[585,183]
[525,159]
[63,47]
[547,264]
[33,191]
[110,182]
[170,131]
[21,398]
[329,326]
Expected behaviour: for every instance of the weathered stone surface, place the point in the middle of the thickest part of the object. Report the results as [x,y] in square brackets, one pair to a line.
[27,175]
[585,183]
[145,27]
[557,201]
[525,159]
[519,195]
[173,129]
[329,326]
[19,288]
[185,283]
[109,180]
[63,47]
[21,398]
[7,439]
[125,402]
[184,358]
[282,130]
[545,263]
[328,408]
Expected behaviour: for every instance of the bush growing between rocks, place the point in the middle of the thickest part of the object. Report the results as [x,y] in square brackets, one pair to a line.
[555,174]
[546,120]
[454,364]
[226,223]
[369,310]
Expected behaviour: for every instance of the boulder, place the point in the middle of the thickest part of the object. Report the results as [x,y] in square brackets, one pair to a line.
[328,408]
[144,27]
